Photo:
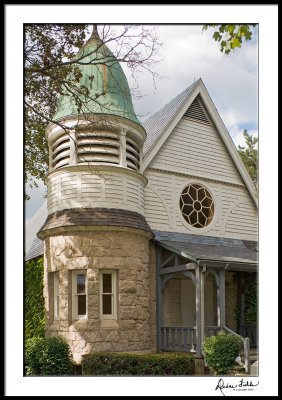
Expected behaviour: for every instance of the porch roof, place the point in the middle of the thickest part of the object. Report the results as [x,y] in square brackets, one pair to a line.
[238,254]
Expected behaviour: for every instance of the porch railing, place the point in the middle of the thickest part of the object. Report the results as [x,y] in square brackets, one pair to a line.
[246,343]
[211,330]
[175,338]
[250,331]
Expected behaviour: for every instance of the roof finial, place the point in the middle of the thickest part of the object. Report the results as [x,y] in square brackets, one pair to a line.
[95,34]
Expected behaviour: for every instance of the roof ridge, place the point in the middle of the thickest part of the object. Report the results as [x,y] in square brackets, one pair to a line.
[171,101]
[155,125]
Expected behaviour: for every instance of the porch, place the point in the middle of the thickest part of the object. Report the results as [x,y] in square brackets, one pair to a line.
[196,286]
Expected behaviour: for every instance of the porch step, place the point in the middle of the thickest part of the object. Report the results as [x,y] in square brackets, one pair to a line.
[253,356]
[236,370]
[254,368]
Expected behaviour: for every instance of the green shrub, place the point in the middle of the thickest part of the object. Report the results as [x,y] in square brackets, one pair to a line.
[251,304]
[221,350]
[34,312]
[137,364]
[48,356]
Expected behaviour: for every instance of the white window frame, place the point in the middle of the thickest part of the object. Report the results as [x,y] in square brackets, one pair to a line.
[75,294]
[56,296]
[113,274]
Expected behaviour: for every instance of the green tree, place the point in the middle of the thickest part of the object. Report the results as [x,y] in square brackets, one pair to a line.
[52,69]
[34,311]
[249,156]
[251,304]
[230,36]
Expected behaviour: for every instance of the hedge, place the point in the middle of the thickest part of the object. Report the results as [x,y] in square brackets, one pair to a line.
[138,364]
[48,356]
[34,313]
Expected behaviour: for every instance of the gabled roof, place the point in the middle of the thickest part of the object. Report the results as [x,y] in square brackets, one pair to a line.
[160,125]
[157,123]
[210,249]
[34,247]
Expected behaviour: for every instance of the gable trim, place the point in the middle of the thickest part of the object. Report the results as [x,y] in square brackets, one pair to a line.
[163,137]
[197,112]
[224,134]
[228,142]
[198,176]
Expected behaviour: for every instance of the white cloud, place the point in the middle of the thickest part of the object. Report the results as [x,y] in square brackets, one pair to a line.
[189,53]
[36,199]
[238,137]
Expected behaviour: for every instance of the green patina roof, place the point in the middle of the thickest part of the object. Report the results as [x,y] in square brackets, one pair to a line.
[109,90]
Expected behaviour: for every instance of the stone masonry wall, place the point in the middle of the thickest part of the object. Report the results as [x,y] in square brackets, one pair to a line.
[153,297]
[128,254]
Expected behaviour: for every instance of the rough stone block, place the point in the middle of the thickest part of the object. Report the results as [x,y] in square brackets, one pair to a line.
[127,286]
[126,252]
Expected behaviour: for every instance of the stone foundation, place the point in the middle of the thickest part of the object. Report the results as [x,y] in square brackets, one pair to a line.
[153,297]
[128,254]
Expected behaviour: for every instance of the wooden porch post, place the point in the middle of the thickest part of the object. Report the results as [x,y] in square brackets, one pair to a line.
[218,298]
[199,309]
[242,306]
[221,299]
[159,297]
[199,360]
[202,303]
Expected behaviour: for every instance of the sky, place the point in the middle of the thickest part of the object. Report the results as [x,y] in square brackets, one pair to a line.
[187,54]
[232,84]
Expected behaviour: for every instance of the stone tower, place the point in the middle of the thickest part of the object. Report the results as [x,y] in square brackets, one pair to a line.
[96,239]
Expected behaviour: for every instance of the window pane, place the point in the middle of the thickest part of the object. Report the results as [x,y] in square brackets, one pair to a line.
[107,283]
[80,283]
[107,304]
[81,305]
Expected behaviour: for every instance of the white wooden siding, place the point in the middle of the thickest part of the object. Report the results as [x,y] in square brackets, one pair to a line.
[156,213]
[105,189]
[90,186]
[235,216]
[197,149]
[240,218]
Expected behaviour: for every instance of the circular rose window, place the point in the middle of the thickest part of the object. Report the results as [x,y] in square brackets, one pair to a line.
[197,205]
